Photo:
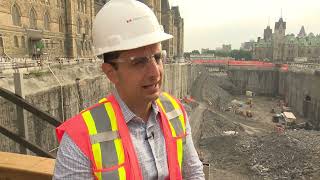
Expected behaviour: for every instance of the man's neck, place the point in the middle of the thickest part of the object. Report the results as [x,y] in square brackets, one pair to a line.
[141,109]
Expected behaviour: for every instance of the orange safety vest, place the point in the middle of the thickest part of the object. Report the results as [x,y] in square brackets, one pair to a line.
[101,133]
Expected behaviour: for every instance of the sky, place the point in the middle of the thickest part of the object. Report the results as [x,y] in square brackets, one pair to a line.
[211,23]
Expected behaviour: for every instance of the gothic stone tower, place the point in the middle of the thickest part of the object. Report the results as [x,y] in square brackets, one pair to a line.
[279,40]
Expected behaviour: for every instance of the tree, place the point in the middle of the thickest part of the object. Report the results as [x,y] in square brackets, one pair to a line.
[195,52]
[241,54]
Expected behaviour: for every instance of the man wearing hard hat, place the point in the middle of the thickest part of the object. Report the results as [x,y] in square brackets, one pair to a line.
[137,132]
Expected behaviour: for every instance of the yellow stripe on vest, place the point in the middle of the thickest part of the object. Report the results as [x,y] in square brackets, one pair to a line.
[176,106]
[182,121]
[96,150]
[173,131]
[118,141]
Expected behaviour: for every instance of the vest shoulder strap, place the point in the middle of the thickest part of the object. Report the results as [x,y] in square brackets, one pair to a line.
[174,113]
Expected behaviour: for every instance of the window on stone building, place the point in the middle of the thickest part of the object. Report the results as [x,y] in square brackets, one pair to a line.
[58,3]
[61,27]
[46,21]
[23,42]
[85,6]
[79,5]
[79,26]
[33,19]
[16,17]
[1,41]
[82,5]
[16,41]
[87,27]
[46,43]
[61,45]
[89,44]
[62,3]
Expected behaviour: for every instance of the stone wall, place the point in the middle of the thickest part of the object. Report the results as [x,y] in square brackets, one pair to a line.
[76,96]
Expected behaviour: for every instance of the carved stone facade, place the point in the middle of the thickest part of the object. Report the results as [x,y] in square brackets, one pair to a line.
[54,28]
[174,25]
[62,28]
[279,47]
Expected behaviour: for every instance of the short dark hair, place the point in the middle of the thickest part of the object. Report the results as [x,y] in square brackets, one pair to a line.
[108,57]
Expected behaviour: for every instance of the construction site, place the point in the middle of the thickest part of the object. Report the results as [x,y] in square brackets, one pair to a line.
[248,122]
[253,134]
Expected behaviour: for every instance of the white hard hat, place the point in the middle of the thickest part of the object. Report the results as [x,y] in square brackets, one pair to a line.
[125,24]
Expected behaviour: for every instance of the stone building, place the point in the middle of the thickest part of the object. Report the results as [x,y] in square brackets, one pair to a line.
[279,47]
[56,28]
[62,28]
[173,24]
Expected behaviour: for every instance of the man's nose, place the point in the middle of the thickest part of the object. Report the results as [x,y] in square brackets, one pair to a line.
[153,68]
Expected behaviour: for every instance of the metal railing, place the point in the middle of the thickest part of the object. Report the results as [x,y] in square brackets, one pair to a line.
[32,109]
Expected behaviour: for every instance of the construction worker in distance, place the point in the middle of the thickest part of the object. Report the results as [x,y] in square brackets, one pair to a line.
[137,132]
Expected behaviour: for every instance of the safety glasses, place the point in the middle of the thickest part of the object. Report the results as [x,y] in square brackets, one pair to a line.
[144,60]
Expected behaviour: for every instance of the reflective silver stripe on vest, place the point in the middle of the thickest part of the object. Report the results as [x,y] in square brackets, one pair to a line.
[173,114]
[167,105]
[108,149]
[105,136]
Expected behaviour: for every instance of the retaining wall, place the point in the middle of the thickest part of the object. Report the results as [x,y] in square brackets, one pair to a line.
[76,96]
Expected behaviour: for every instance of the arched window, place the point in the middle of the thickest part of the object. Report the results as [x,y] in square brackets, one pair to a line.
[16,41]
[79,5]
[23,42]
[33,19]
[82,6]
[1,41]
[87,27]
[61,27]
[61,44]
[79,26]
[46,21]
[62,3]
[16,17]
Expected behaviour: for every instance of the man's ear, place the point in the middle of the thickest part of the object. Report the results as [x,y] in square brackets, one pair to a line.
[110,71]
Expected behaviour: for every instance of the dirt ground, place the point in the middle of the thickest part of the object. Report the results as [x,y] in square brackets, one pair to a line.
[255,149]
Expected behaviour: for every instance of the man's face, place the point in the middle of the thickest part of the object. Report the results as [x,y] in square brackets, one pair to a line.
[138,79]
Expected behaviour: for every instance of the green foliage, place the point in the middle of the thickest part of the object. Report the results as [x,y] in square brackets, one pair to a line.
[39,45]
[195,52]
[237,54]
[241,54]
[36,74]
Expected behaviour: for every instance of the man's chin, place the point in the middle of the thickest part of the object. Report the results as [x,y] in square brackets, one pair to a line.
[154,96]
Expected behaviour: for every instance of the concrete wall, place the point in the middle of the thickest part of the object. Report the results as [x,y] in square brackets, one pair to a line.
[300,90]
[263,82]
[76,96]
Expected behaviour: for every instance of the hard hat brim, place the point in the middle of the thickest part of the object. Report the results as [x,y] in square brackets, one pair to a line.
[137,42]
